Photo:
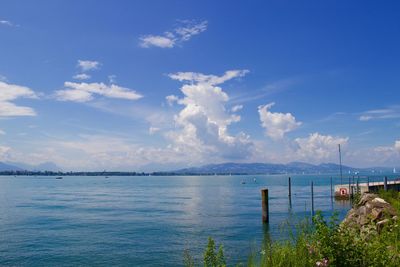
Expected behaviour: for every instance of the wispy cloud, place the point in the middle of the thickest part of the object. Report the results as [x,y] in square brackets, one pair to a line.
[86,65]
[6,23]
[84,92]
[391,112]
[184,32]
[10,92]
[81,76]
[271,88]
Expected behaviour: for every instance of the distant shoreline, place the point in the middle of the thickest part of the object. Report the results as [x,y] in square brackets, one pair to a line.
[51,173]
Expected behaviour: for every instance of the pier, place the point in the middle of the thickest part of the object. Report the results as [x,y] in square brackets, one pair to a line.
[360,185]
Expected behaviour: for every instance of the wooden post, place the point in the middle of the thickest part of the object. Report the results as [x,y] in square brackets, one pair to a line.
[265,207]
[385,184]
[331,187]
[349,193]
[312,199]
[368,183]
[358,187]
[290,187]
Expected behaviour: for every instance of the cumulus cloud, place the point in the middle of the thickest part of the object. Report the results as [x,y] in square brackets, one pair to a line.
[81,76]
[202,124]
[171,99]
[318,148]
[169,39]
[276,124]
[84,92]
[86,65]
[11,92]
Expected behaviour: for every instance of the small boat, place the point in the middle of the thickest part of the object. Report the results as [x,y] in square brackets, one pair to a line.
[106,177]
[255,180]
[243,182]
[59,177]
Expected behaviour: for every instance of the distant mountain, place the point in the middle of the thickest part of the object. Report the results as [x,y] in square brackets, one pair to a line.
[8,167]
[265,168]
[45,166]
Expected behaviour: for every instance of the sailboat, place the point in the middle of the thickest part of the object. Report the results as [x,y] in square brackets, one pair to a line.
[394,170]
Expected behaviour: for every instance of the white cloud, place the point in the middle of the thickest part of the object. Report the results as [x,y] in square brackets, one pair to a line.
[202,125]
[4,152]
[171,99]
[3,78]
[392,112]
[2,132]
[276,124]
[11,92]
[153,130]
[83,92]
[81,76]
[6,23]
[156,40]
[169,39]
[318,148]
[236,108]
[86,65]
[397,145]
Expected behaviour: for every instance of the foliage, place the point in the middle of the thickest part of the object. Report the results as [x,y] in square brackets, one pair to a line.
[325,243]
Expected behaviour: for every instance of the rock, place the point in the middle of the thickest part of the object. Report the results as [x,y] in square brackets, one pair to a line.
[381,224]
[380,200]
[376,214]
[366,198]
[371,213]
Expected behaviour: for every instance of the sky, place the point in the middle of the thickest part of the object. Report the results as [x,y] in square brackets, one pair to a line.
[159,85]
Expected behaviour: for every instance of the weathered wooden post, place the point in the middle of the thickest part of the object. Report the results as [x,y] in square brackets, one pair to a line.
[290,188]
[368,183]
[265,207]
[312,199]
[385,187]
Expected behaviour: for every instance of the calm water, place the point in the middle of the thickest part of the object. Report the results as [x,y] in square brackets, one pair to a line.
[144,221]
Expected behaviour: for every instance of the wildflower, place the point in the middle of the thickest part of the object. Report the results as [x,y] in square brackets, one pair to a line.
[262,252]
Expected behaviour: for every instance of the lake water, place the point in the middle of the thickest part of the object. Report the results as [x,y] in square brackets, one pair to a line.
[144,221]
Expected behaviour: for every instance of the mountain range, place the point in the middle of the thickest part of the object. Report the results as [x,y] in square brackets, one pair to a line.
[268,168]
[17,166]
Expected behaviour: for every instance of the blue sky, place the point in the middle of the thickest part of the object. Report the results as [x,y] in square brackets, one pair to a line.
[154,85]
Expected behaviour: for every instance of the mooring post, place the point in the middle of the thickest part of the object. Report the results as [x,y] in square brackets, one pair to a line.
[331,188]
[385,184]
[358,187]
[290,187]
[265,207]
[349,193]
[368,183]
[312,199]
